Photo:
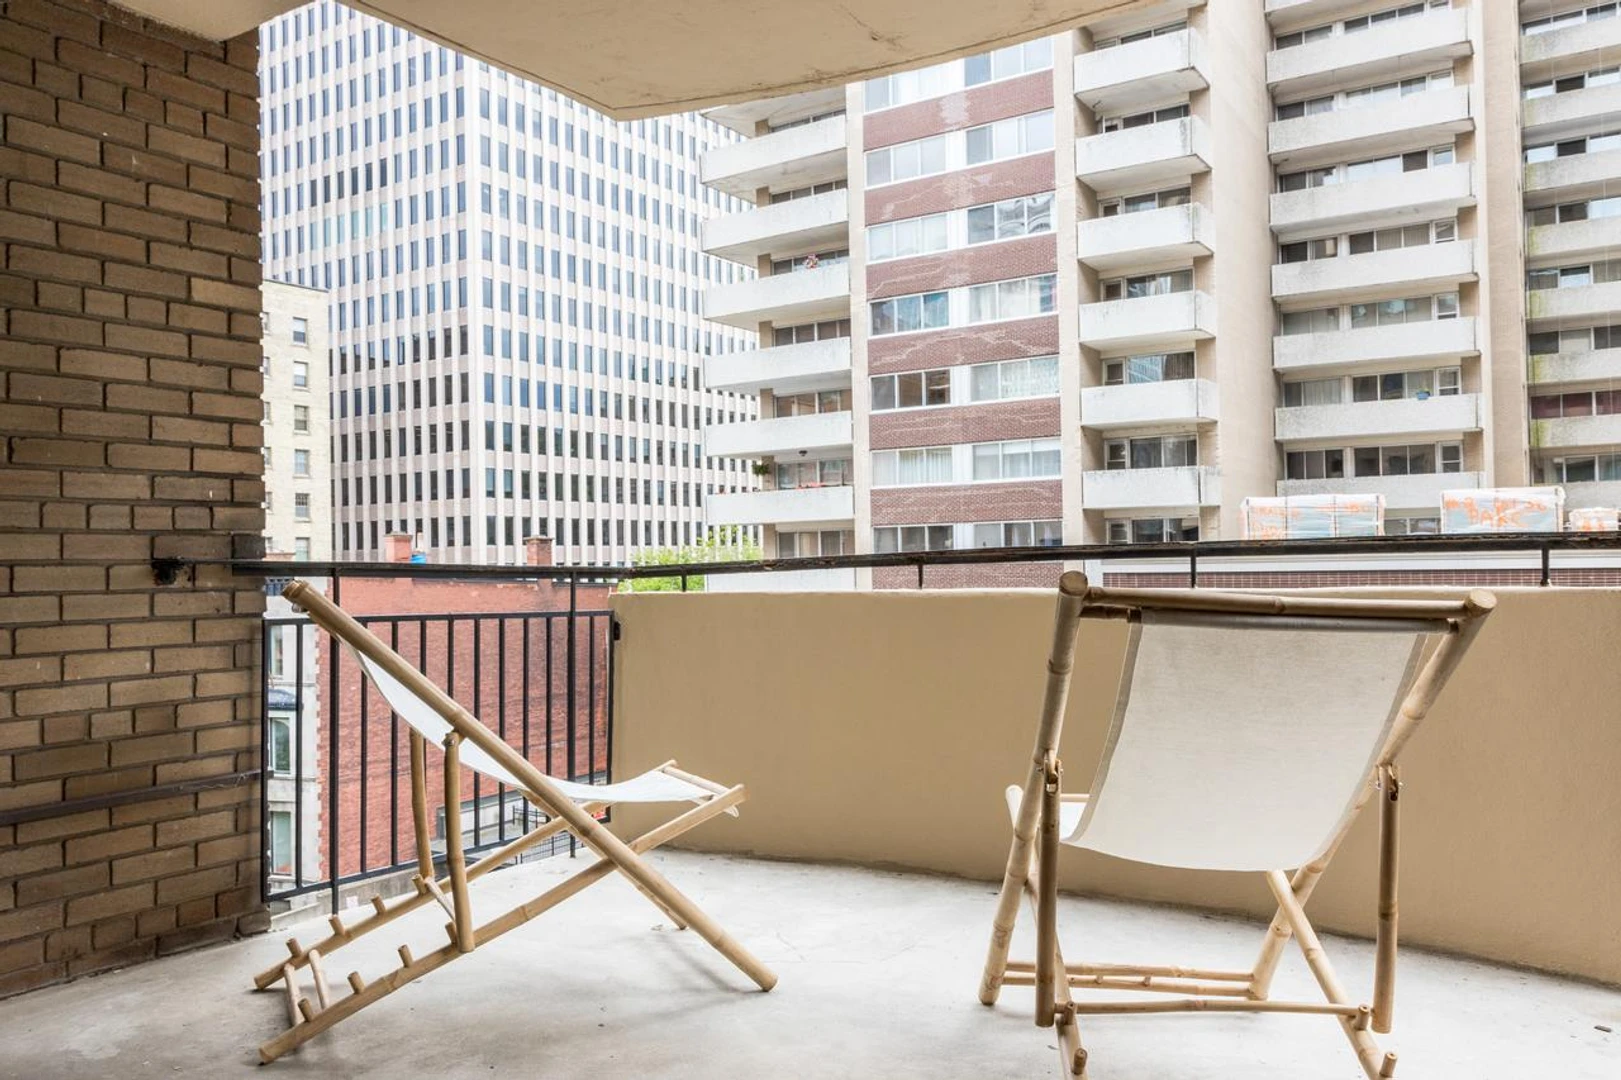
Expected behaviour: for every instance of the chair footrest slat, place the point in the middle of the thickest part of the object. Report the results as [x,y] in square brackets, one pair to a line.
[1197,1004]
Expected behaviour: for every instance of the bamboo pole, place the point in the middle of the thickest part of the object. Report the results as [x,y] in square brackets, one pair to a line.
[454,860]
[1047,894]
[1072,589]
[1141,969]
[1154,984]
[1384,963]
[1238,603]
[419,803]
[291,986]
[411,969]
[1374,1063]
[1223,1005]
[338,622]
[322,995]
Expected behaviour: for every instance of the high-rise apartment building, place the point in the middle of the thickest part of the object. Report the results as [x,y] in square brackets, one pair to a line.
[297,428]
[516,345]
[1104,286]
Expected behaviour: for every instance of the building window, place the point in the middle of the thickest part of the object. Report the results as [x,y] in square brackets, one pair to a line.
[301,418]
[991,534]
[280,750]
[911,390]
[1151,530]
[301,506]
[281,842]
[913,538]
[301,549]
[301,331]
[301,373]
[1152,452]
[1148,368]
[808,545]
[301,462]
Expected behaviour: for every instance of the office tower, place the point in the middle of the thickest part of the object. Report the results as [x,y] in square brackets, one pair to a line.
[516,348]
[1102,287]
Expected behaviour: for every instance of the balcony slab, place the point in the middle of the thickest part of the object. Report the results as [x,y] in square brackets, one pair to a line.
[878,975]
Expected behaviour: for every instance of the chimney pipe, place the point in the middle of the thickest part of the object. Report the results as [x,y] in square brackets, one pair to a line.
[397,547]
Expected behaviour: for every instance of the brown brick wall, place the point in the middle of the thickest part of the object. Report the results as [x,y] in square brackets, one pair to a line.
[1028,175]
[1318,579]
[1008,576]
[1036,419]
[964,109]
[1024,257]
[967,345]
[1021,500]
[129,386]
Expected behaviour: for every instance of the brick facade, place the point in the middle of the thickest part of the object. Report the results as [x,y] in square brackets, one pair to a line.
[997,420]
[129,429]
[1037,336]
[941,504]
[1024,257]
[486,676]
[963,109]
[1028,175]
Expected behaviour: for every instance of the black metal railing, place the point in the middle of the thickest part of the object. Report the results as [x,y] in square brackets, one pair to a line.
[336,755]
[335,797]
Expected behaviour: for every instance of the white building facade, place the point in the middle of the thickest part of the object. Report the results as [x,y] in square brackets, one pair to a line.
[516,343]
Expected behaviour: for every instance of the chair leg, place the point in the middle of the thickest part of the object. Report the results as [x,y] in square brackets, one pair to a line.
[1384,964]
[1377,1064]
[1047,896]
[1014,878]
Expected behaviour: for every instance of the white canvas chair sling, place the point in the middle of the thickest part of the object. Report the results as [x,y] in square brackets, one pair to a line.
[1248,732]
[433,716]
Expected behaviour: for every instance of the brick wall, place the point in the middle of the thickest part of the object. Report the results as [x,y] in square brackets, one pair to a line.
[1028,175]
[129,428]
[1024,257]
[991,421]
[964,109]
[1036,336]
[941,504]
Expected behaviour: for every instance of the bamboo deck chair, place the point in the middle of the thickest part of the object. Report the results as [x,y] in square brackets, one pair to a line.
[434,717]
[1248,732]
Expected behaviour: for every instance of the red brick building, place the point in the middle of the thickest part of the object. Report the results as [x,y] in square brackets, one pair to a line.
[501,648]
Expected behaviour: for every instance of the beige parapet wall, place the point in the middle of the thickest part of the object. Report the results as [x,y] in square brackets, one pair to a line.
[882,728]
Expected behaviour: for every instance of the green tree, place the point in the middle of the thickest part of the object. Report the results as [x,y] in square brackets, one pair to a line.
[723,545]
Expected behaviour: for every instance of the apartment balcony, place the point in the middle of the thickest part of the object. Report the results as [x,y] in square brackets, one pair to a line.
[814,223]
[1181,402]
[785,435]
[1399,198]
[1421,492]
[1435,417]
[1579,303]
[1571,432]
[790,508]
[1149,321]
[1406,46]
[1579,112]
[787,299]
[1580,176]
[1151,237]
[745,117]
[788,369]
[1172,488]
[839,579]
[1142,73]
[1573,241]
[1405,271]
[1435,340]
[784,160]
[1589,493]
[1142,158]
[1581,47]
[1371,130]
[1593,365]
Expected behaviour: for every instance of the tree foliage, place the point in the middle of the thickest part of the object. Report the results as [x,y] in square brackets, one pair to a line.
[723,545]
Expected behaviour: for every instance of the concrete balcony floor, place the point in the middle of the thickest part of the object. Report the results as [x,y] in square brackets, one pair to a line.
[878,978]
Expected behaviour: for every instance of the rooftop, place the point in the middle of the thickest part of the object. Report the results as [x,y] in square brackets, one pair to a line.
[878,977]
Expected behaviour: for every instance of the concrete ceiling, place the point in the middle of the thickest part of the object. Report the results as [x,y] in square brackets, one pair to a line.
[647,57]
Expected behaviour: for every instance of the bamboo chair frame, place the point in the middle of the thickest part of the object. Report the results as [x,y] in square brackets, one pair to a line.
[309,1018]
[1032,858]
